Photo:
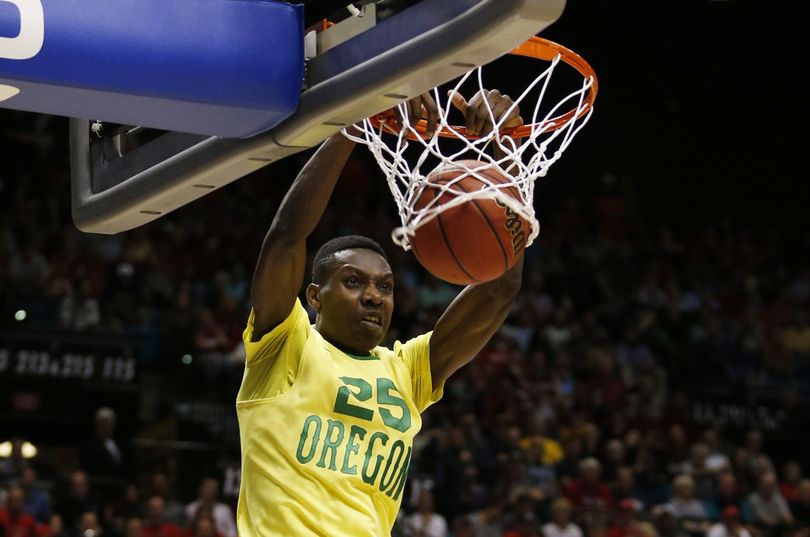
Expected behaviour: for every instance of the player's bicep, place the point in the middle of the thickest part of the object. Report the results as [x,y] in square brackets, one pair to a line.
[276,282]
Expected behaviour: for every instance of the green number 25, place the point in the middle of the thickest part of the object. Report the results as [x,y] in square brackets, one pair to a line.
[363,391]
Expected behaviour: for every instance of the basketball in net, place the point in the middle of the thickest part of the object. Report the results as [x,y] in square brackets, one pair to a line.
[475,240]
[466,219]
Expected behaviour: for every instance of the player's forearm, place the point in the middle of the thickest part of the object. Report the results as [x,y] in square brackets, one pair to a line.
[309,195]
[477,312]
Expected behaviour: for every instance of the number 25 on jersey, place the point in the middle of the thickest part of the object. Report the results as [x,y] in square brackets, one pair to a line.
[361,391]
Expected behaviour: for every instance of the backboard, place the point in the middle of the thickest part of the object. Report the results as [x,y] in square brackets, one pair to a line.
[178,99]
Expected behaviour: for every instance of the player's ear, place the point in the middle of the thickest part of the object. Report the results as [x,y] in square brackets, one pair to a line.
[314,297]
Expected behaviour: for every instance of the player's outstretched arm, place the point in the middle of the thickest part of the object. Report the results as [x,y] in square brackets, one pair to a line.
[282,262]
[470,321]
[479,310]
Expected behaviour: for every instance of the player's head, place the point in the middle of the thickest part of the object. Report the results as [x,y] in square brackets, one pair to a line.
[326,261]
[352,292]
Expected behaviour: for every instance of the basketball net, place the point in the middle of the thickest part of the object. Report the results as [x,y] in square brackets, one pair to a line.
[524,153]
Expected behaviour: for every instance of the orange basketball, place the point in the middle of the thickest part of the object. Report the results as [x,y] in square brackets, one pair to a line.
[476,241]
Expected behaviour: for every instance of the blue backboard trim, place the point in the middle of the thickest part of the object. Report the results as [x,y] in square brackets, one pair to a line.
[229,68]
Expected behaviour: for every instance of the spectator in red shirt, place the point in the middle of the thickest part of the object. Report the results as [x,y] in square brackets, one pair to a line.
[790,481]
[588,490]
[155,525]
[13,521]
[622,526]
[202,526]
[625,488]
[54,528]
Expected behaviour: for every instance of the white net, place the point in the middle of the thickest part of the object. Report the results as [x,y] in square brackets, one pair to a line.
[407,157]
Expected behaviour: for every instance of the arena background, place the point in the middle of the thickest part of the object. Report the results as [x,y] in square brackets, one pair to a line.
[667,297]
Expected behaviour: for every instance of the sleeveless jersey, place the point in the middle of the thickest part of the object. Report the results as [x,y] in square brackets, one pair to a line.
[326,436]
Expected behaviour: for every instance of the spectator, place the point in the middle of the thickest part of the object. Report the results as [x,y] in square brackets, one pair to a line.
[519,480]
[769,510]
[37,500]
[525,526]
[561,525]
[155,524]
[203,526]
[425,522]
[128,506]
[174,511]
[524,504]
[740,467]
[676,447]
[133,527]
[549,451]
[665,521]
[789,487]
[568,468]
[625,488]
[77,499]
[758,461]
[588,491]
[487,521]
[800,508]
[55,528]
[469,493]
[14,522]
[615,454]
[643,529]
[684,503]
[463,527]
[207,502]
[539,474]
[726,495]
[89,525]
[625,520]
[730,526]
[701,473]
[210,335]
[715,460]
[689,511]
[102,455]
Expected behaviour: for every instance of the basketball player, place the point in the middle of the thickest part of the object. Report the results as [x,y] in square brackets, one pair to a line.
[327,416]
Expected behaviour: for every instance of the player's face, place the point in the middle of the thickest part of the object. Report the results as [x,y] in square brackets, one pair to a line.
[354,306]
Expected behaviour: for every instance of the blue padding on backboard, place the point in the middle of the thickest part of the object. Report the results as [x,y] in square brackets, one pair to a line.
[230,68]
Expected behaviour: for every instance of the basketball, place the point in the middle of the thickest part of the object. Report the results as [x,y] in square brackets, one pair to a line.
[476,241]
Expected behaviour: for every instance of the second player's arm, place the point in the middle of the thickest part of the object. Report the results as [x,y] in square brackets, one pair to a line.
[282,262]
[470,321]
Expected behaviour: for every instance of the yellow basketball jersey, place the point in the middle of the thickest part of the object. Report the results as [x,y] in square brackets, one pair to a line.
[326,436]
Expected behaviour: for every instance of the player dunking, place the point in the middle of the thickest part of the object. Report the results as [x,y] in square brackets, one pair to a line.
[327,417]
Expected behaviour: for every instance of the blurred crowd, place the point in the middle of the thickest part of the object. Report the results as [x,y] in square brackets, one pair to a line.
[75,508]
[577,420]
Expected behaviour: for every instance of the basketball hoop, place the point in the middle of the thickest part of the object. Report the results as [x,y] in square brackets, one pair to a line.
[526,152]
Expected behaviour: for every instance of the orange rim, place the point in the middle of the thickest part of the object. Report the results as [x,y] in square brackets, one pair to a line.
[537,48]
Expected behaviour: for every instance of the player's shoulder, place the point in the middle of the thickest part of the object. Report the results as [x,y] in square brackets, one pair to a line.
[402,349]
